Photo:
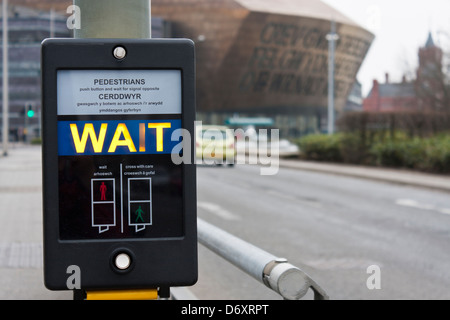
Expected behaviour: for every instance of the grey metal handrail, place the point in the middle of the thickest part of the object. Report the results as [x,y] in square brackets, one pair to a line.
[276,273]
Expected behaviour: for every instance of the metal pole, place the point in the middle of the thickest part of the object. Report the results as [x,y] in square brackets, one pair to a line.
[5,134]
[276,273]
[113,19]
[332,37]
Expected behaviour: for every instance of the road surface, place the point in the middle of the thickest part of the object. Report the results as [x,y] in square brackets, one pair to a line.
[333,227]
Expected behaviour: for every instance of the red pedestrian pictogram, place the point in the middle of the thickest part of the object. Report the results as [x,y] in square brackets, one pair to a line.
[103,191]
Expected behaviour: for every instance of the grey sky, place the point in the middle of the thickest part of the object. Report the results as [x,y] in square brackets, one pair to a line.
[400,27]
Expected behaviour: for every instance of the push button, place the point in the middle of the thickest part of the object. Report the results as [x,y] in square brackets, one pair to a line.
[122,261]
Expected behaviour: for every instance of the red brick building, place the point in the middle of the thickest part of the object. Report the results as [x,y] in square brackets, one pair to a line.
[423,93]
[391,96]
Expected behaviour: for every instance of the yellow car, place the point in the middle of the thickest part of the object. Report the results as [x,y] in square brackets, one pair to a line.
[215,145]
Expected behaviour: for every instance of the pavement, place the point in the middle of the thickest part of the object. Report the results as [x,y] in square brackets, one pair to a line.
[397,176]
[21,226]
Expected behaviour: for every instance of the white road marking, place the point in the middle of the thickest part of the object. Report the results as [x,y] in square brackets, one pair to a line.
[218,211]
[415,204]
[340,264]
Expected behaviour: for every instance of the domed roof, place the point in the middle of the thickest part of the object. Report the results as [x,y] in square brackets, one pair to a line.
[309,8]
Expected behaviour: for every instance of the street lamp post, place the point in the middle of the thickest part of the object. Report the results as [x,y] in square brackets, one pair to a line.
[5,134]
[332,37]
[119,19]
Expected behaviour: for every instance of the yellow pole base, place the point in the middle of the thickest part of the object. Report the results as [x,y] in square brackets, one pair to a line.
[146,294]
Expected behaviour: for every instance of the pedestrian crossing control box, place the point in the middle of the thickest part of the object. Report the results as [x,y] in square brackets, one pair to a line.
[118,206]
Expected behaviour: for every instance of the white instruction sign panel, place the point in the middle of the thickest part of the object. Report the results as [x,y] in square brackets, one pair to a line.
[114,92]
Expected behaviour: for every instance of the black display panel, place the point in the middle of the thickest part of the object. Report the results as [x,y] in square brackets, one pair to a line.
[116,176]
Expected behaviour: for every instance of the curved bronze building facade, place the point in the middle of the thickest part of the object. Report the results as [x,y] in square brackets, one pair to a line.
[262,57]
[267,57]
